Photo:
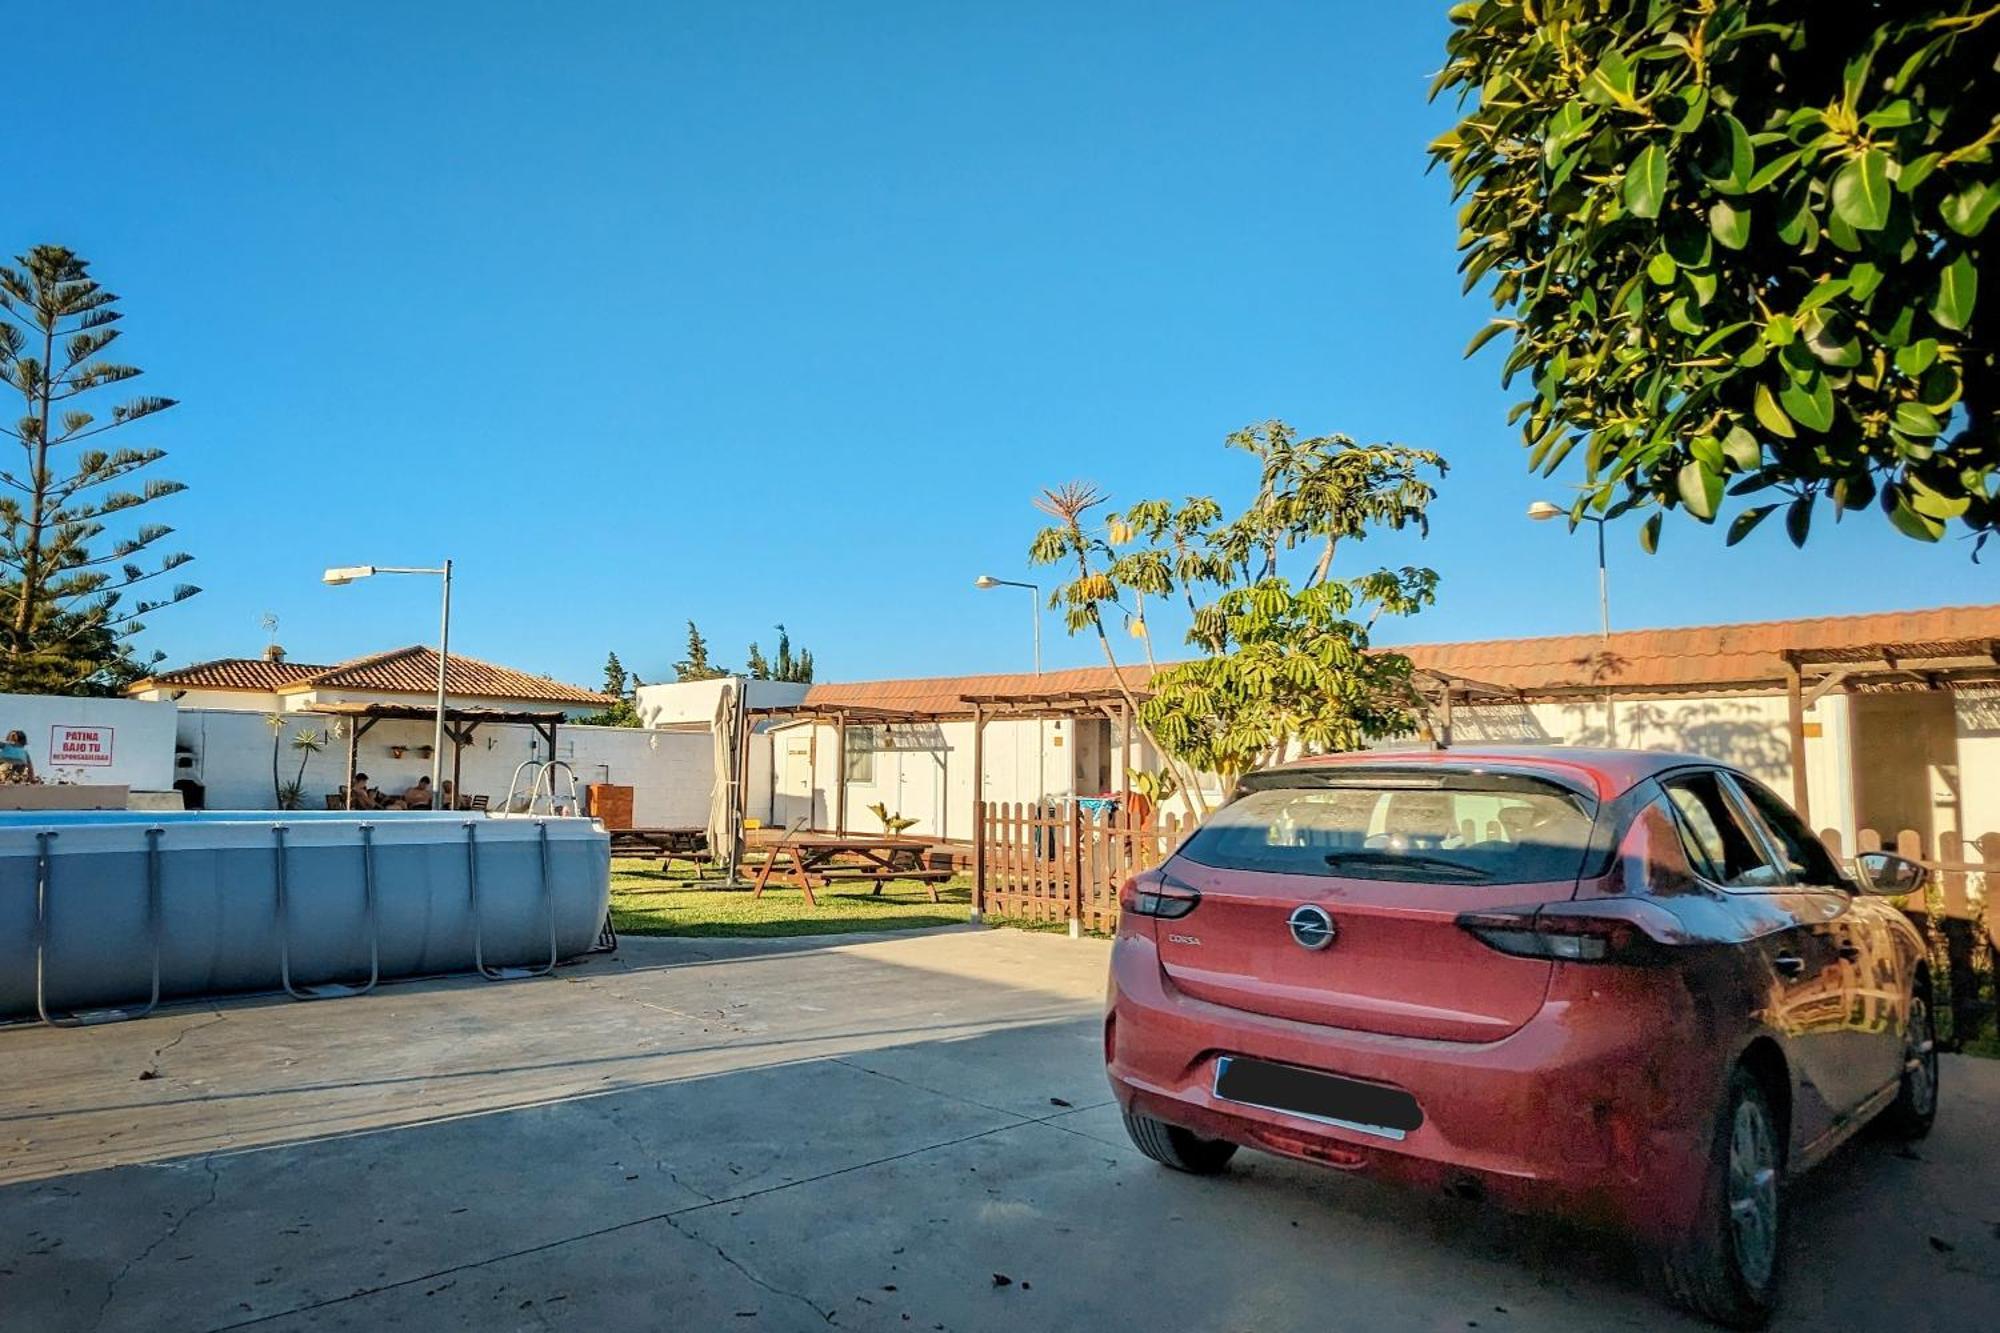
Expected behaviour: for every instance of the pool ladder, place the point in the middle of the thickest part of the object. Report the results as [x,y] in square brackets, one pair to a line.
[478,932]
[328,990]
[89,1017]
[542,787]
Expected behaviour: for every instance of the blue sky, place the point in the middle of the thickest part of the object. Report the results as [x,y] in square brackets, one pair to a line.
[760,312]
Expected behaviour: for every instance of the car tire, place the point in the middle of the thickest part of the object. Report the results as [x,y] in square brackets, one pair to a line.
[1181,1149]
[1913,1112]
[1727,1268]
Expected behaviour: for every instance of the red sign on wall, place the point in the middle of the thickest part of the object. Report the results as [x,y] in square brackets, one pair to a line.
[80,747]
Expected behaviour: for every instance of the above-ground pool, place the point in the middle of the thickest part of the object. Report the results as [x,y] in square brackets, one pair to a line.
[104,914]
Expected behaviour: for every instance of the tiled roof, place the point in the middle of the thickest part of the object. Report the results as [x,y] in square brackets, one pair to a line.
[1727,657]
[231,673]
[413,670]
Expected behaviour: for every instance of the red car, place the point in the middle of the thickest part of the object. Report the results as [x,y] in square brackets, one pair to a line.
[1630,988]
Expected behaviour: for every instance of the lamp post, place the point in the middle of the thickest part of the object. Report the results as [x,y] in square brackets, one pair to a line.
[342,575]
[1543,510]
[985,581]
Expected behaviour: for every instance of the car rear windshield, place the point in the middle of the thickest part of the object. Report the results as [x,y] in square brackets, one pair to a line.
[1473,828]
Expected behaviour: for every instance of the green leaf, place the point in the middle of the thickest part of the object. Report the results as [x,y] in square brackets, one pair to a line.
[1823,293]
[1916,419]
[1770,415]
[1773,169]
[1611,81]
[1646,182]
[1700,489]
[1661,269]
[1685,315]
[1742,157]
[1741,526]
[1742,448]
[1968,211]
[1908,521]
[1731,225]
[1914,172]
[1649,534]
[1695,106]
[1861,191]
[1809,403]
[1781,330]
[1488,334]
[1795,217]
[1958,287]
[1915,359]
[1798,519]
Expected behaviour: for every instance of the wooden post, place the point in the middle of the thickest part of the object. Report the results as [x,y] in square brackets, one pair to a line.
[840,758]
[353,743]
[812,772]
[1795,706]
[980,828]
[1444,719]
[1076,818]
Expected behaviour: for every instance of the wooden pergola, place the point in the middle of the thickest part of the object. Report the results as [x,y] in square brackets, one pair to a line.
[1936,665]
[459,724]
[1439,690]
[841,716]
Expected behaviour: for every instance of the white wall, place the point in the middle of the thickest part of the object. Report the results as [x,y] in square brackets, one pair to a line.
[693,702]
[230,754]
[1747,731]
[141,737]
[1977,718]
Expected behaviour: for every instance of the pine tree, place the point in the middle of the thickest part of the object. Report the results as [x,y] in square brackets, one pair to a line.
[696,666]
[757,667]
[615,680]
[63,627]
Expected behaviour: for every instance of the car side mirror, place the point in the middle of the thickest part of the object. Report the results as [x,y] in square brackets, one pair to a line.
[1888,874]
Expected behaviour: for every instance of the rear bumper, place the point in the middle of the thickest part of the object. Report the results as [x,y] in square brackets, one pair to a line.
[1600,1108]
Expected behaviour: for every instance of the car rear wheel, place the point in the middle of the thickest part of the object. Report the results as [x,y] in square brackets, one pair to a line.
[1726,1269]
[1910,1116]
[1181,1149]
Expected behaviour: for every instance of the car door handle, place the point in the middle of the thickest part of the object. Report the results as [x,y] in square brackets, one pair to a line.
[1790,965]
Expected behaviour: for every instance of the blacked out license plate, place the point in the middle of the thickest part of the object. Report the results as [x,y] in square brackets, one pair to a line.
[1346,1102]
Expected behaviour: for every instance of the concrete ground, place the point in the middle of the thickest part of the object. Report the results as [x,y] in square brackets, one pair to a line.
[890,1132]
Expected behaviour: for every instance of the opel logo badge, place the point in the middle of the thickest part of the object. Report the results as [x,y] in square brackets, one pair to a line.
[1311,927]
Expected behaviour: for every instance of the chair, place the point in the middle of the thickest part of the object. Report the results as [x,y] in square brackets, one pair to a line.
[479,804]
[336,801]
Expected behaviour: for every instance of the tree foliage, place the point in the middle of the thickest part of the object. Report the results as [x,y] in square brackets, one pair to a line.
[696,666]
[783,664]
[623,687]
[65,626]
[1739,246]
[1285,663]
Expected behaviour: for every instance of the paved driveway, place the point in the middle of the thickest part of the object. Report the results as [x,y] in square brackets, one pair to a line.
[907,1132]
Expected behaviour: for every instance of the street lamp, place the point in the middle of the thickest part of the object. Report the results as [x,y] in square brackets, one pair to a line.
[985,581]
[342,575]
[1543,510]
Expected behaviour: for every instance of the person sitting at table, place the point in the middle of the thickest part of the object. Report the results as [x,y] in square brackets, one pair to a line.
[418,796]
[361,796]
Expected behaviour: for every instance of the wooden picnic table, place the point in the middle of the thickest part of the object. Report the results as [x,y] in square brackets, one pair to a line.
[816,859]
[668,844]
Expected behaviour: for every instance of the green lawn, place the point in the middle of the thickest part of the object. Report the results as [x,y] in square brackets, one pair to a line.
[644,901]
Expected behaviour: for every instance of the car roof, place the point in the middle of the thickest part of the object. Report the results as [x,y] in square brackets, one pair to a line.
[1606,772]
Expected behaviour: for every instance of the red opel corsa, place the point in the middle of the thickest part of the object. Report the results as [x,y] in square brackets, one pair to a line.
[1630,988]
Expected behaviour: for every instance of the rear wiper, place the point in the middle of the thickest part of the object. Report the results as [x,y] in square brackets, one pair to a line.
[1404,861]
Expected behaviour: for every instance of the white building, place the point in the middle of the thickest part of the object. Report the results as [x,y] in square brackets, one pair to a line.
[1886,722]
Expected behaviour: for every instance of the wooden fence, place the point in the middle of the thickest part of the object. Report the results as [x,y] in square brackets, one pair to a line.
[1065,866]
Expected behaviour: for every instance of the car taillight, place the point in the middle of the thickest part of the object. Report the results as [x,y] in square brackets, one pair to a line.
[1600,930]
[1156,894]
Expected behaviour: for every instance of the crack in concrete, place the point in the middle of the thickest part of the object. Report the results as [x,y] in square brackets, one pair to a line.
[215,1016]
[610,1117]
[739,1266]
[173,1229]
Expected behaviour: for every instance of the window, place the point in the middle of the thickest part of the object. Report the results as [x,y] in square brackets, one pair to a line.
[1719,846]
[1805,856]
[860,759]
[1451,828]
